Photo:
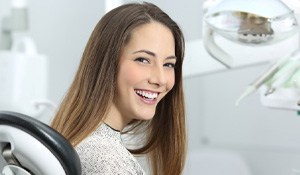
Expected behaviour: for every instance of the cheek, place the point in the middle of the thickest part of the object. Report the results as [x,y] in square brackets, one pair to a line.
[129,75]
[171,81]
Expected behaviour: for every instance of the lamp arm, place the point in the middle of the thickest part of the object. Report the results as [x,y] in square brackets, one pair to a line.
[214,50]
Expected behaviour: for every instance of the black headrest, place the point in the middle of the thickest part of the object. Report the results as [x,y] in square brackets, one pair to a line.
[49,137]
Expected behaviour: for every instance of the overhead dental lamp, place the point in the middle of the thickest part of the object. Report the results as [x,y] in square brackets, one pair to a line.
[251,23]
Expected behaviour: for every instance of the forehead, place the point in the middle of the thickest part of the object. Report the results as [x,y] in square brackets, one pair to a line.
[152,27]
[153,36]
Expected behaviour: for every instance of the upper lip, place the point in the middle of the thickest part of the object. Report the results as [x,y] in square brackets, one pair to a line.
[151,91]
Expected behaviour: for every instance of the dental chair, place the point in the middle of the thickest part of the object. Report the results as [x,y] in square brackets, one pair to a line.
[30,147]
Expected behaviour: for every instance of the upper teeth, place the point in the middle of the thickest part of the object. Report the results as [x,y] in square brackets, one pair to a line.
[150,95]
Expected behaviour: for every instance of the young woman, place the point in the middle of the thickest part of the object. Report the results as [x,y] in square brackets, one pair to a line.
[129,79]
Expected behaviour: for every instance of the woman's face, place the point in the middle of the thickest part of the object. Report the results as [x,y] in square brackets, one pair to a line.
[146,72]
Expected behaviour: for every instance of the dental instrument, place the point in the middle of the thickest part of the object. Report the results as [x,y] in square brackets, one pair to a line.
[295,80]
[271,74]
[287,73]
[262,79]
[283,76]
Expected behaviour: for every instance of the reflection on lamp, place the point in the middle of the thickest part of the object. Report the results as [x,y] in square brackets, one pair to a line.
[255,23]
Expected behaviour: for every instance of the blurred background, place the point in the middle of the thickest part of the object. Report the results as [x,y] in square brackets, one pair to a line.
[253,138]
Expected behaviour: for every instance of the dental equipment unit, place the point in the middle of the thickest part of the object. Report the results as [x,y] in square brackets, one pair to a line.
[23,71]
[256,23]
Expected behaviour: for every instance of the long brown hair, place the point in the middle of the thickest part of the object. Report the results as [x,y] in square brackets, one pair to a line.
[93,90]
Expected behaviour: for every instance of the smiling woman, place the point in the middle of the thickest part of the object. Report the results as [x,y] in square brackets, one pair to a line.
[143,73]
[129,78]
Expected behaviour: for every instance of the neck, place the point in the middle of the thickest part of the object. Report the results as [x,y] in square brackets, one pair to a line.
[111,127]
[115,120]
[115,125]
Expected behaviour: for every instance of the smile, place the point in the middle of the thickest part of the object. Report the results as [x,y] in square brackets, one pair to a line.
[147,94]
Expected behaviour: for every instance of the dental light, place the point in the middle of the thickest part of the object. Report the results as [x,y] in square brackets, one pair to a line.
[250,23]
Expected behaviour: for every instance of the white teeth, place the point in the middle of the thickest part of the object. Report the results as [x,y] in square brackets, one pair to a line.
[149,95]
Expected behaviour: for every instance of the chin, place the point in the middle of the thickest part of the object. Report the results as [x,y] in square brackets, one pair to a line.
[145,117]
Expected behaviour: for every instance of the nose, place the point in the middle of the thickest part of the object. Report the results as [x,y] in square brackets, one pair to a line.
[158,76]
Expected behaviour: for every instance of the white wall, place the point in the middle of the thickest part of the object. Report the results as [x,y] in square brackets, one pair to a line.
[61,30]
[267,138]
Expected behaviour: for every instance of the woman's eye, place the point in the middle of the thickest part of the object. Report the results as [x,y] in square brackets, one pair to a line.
[170,65]
[142,60]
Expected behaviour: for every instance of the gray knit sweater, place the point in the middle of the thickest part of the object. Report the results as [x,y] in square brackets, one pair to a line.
[104,153]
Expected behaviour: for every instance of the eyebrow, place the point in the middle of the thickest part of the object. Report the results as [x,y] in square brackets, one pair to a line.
[153,54]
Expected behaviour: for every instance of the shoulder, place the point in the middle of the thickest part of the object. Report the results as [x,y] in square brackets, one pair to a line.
[103,153]
[97,156]
[101,156]
[97,146]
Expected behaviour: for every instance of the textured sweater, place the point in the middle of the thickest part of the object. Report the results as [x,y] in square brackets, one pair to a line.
[104,153]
